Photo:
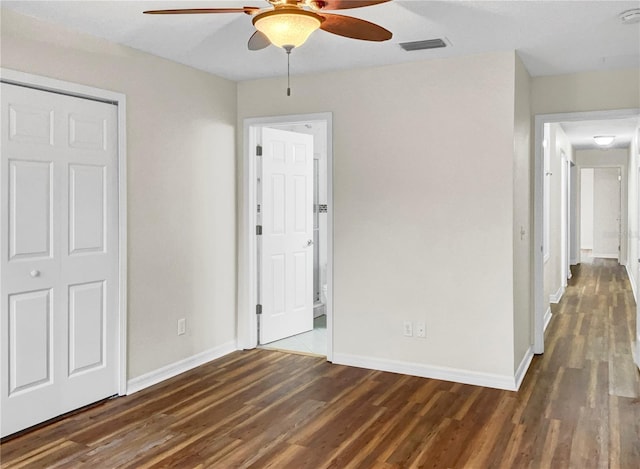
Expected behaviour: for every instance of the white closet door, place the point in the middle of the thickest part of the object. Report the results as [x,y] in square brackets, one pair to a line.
[286,261]
[606,213]
[59,248]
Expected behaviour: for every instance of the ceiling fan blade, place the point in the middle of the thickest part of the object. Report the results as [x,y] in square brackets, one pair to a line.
[258,41]
[191,11]
[354,28]
[345,4]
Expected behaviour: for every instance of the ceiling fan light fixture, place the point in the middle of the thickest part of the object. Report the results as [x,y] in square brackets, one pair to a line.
[630,16]
[287,26]
[604,140]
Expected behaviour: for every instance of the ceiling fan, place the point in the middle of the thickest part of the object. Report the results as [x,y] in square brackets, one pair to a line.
[288,23]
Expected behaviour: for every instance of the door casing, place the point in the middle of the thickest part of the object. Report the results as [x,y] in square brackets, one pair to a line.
[539,304]
[15,77]
[247,255]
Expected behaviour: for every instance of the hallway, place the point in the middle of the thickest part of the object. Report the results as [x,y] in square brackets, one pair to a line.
[581,396]
[578,408]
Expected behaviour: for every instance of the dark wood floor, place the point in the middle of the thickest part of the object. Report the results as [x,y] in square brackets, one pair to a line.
[578,408]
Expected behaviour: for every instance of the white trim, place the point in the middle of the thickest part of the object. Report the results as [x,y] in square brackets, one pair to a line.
[247,294]
[523,367]
[174,369]
[605,255]
[547,317]
[74,89]
[539,304]
[635,351]
[455,375]
[16,77]
[632,281]
[557,296]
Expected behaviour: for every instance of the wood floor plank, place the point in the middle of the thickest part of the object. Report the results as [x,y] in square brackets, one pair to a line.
[578,407]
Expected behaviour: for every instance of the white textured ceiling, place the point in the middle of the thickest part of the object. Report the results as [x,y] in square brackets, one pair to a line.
[552,37]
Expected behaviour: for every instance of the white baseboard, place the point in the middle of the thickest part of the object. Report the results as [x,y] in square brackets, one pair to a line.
[154,377]
[547,317]
[557,296]
[605,255]
[632,281]
[524,366]
[476,378]
[636,353]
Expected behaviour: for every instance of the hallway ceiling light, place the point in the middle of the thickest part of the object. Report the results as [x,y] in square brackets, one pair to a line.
[604,140]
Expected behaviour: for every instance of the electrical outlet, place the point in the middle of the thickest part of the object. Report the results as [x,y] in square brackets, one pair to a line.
[421,330]
[182,326]
[408,328]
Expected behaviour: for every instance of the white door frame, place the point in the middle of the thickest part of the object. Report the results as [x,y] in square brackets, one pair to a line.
[29,80]
[564,219]
[539,304]
[247,272]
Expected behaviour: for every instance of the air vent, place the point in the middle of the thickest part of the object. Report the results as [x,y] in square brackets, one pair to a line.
[422,45]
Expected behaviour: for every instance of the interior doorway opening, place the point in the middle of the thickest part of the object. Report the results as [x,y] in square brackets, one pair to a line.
[288,234]
[559,158]
[600,213]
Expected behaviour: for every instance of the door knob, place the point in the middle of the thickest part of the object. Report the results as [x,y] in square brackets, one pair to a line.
[35,273]
[310,242]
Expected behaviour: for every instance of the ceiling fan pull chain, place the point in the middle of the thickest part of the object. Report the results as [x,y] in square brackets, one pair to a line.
[288,49]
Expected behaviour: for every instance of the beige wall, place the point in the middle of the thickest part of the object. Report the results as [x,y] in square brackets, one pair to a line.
[586,91]
[633,191]
[633,239]
[522,228]
[558,143]
[423,205]
[181,184]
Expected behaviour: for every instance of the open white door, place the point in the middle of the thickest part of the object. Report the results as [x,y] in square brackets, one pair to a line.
[286,249]
[59,255]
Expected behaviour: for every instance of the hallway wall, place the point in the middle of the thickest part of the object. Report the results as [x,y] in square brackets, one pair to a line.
[586,208]
[633,264]
[633,208]
[554,284]
[584,91]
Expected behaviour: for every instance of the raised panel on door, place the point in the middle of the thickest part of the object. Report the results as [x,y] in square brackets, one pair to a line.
[300,267]
[87,319]
[88,132]
[278,201]
[30,341]
[29,206]
[87,210]
[31,124]
[278,285]
[300,205]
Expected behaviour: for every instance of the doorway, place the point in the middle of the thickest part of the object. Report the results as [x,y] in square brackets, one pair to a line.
[541,175]
[63,274]
[285,288]
[600,213]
